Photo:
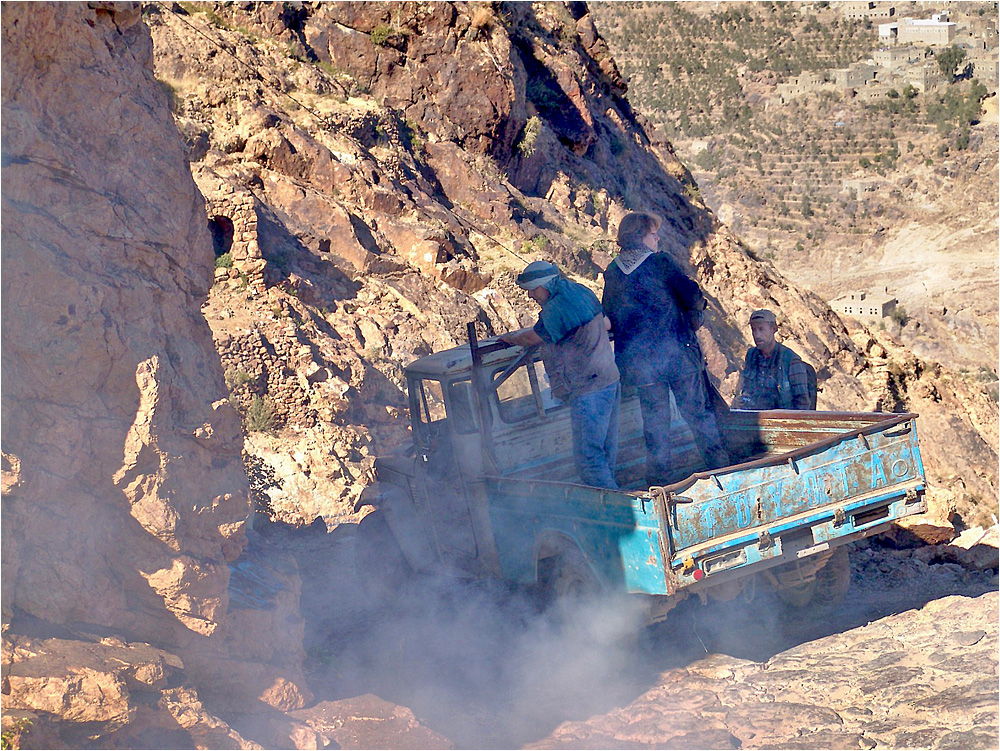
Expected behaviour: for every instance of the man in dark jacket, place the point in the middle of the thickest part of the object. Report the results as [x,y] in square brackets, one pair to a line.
[655,308]
[580,364]
[773,377]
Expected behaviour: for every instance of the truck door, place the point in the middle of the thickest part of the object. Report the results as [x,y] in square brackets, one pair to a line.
[441,488]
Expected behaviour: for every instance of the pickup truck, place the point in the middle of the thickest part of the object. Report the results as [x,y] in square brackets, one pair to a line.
[488,488]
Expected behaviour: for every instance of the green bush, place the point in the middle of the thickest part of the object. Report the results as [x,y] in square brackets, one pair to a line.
[948,61]
[14,734]
[225,261]
[541,94]
[236,377]
[539,244]
[526,144]
[173,97]
[260,416]
[899,315]
[380,34]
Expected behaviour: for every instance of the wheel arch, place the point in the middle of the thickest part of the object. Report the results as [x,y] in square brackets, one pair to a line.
[554,544]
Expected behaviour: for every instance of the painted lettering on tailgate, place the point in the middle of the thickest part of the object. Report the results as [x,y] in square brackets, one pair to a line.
[878,472]
[743,516]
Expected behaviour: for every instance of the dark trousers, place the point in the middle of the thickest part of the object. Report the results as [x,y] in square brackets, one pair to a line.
[691,397]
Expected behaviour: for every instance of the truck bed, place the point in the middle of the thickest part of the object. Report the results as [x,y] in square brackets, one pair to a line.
[804,481]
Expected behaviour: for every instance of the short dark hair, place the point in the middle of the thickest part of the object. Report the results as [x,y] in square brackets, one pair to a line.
[634,227]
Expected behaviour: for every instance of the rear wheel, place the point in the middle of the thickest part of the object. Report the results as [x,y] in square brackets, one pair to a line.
[565,579]
[833,581]
[823,589]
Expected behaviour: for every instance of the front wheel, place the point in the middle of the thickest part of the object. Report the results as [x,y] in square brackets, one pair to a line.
[381,567]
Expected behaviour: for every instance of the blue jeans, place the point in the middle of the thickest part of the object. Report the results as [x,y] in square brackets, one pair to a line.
[594,418]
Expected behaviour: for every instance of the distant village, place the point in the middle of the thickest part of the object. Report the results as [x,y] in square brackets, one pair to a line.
[905,56]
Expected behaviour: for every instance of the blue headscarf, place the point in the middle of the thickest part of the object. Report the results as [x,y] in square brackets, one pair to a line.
[569,306]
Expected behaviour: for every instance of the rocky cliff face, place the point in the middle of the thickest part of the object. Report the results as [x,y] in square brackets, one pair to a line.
[120,446]
[124,495]
[369,176]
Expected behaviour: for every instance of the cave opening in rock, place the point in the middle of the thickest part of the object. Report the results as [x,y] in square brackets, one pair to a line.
[222,234]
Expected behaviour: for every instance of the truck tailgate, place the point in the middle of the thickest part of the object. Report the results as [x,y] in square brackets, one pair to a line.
[865,473]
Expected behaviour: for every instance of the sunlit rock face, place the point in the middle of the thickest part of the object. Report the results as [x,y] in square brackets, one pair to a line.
[127,496]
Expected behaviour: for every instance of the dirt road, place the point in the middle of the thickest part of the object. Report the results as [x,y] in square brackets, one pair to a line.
[909,661]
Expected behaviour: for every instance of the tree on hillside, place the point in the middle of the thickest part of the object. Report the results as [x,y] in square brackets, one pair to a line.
[948,61]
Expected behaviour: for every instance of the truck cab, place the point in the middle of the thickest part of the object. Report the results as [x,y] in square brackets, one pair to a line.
[489,489]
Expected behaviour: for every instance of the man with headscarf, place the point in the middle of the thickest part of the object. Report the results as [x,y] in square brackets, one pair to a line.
[655,308]
[774,376]
[580,364]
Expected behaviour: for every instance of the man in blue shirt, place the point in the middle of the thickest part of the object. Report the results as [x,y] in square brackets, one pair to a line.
[580,364]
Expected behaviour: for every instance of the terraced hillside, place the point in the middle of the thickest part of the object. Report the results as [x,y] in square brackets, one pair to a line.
[842,189]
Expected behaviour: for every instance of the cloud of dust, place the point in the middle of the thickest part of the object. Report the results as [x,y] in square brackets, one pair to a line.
[480,662]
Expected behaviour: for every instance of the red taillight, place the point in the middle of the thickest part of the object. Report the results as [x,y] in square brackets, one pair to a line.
[698,574]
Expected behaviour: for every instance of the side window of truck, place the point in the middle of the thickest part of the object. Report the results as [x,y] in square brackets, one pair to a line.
[427,403]
[524,393]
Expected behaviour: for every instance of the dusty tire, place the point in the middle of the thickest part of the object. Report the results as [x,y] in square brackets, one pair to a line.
[827,590]
[381,567]
[566,580]
[797,597]
[833,581]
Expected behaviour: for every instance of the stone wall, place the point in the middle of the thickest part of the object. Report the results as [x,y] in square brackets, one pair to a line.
[231,205]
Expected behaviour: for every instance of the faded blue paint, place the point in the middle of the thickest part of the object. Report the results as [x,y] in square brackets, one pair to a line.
[839,472]
[718,520]
[618,532]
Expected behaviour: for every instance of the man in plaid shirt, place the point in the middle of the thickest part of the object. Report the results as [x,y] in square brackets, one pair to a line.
[773,377]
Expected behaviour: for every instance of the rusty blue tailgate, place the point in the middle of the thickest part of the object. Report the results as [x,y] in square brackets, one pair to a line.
[864,475]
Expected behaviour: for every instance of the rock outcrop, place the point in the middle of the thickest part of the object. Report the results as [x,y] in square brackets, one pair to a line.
[125,500]
[888,695]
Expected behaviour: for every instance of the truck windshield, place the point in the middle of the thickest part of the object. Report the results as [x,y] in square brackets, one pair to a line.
[461,407]
[427,407]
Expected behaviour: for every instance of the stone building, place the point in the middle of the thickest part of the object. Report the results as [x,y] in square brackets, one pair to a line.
[859,187]
[860,10]
[873,92]
[894,58]
[809,82]
[232,218]
[933,32]
[923,77]
[986,68]
[855,76]
[887,33]
[865,306]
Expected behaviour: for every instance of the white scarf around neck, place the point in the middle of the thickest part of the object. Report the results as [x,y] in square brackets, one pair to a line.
[629,259]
